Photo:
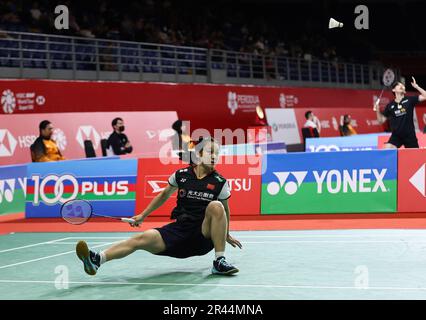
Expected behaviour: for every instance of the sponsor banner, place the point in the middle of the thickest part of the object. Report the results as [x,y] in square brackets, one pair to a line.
[357,142]
[412,180]
[421,118]
[148,132]
[324,182]
[363,120]
[271,147]
[230,106]
[110,187]
[237,149]
[383,139]
[284,125]
[13,181]
[245,188]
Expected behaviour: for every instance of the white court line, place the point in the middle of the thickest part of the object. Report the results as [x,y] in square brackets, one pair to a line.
[219,285]
[289,241]
[33,245]
[48,257]
[284,236]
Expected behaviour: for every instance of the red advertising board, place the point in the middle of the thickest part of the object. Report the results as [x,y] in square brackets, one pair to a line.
[147,131]
[245,187]
[421,118]
[363,120]
[225,106]
[411,180]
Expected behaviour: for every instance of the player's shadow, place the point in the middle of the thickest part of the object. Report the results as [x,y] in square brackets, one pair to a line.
[168,284]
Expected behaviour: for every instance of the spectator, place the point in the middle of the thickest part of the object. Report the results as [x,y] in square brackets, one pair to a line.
[346,128]
[44,149]
[312,121]
[118,141]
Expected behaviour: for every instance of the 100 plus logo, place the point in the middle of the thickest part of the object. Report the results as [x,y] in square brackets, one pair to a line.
[54,189]
[333,181]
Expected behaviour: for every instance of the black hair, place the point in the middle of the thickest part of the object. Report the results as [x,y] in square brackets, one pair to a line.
[114,122]
[395,84]
[43,125]
[202,141]
[307,114]
[177,126]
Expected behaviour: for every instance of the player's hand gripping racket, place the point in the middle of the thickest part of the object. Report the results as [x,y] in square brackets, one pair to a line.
[79,211]
[388,79]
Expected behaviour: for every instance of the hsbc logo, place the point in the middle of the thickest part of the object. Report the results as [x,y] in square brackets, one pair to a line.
[418,180]
[332,181]
[88,133]
[7,143]
[232,102]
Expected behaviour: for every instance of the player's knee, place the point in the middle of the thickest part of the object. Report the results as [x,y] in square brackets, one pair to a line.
[139,241]
[216,209]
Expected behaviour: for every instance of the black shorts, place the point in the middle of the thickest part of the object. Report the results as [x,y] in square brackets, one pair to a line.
[184,239]
[407,141]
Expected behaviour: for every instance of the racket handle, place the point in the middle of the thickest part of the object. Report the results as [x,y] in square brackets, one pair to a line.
[128,220]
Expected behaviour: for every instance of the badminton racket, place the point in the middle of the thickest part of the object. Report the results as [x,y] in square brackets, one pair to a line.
[387,79]
[79,211]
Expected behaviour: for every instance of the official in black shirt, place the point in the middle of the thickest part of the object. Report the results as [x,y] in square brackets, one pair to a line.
[400,113]
[202,218]
[118,141]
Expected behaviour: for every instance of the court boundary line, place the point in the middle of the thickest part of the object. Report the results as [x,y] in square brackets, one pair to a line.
[47,257]
[34,245]
[370,288]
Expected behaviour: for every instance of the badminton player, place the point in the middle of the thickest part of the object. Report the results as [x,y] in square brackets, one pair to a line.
[400,112]
[202,218]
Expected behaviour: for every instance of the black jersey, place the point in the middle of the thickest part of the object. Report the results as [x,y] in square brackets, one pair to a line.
[401,116]
[195,194]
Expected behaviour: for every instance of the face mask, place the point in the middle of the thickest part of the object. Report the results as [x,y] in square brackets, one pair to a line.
[121,129]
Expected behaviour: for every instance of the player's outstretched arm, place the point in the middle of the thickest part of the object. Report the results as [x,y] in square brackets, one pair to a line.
[157,202]
[422,96]
[232,241]
[380,117]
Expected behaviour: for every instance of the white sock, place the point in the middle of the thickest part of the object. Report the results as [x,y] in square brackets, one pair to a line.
[219,254]
[103,257]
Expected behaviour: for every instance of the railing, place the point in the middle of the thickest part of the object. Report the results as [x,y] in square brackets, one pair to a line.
[24,51]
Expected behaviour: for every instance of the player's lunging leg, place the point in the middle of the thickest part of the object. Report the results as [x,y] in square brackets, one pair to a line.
[215,227]
[150,241]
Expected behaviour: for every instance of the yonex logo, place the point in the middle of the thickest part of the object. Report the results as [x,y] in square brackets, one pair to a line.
[333,181]
[8,186]
[88,133]
[7,189]
[418,180]
[8,101]
[290,187]
[7,143]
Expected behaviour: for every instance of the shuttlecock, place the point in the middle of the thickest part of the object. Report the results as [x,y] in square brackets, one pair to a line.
[334,24]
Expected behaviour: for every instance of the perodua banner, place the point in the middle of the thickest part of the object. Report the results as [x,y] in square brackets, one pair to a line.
[148,132]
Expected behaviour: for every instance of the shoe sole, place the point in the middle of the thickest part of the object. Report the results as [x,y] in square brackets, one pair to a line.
[82,251]
[228,273]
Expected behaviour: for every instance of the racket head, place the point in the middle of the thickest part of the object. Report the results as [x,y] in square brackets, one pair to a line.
[76,211]
[388,77]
